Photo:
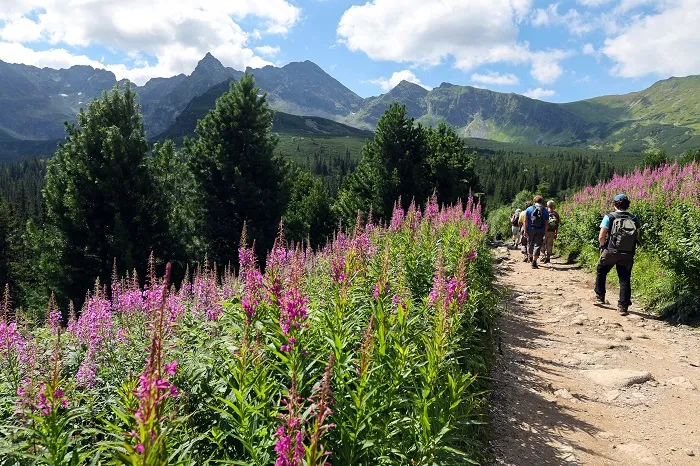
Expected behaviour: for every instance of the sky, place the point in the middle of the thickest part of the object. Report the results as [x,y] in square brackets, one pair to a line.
[555,51]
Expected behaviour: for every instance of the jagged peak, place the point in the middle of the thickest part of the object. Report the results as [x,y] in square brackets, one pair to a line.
[208,63]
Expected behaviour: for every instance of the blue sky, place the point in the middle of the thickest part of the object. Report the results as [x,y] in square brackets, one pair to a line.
[557,51]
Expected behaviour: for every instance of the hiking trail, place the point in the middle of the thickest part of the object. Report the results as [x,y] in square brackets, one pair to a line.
[578,384]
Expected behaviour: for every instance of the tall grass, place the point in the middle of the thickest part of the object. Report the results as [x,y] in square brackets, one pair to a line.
[667,266]
[368,352]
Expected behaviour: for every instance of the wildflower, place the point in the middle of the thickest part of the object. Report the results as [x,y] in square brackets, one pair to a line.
[292,310]
[290,435]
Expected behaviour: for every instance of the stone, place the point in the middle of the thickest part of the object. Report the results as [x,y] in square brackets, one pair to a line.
[695,363]
[638,452]
[617,378]
[577,321]
[563,393]
[639,335]
[689,452]
[569,304]
[622,335]
[681,382]
[612,395]
[521,299]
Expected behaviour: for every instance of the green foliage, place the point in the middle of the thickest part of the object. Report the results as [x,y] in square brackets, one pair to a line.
[100,198]
[388,364]
[308,215]
[406,161]
[236,175]
[654,158]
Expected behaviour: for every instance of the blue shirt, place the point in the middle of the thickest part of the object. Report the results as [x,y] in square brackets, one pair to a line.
[545,217]
[607,220]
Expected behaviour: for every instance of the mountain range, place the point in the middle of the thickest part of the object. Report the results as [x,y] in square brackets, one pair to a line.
[34,103]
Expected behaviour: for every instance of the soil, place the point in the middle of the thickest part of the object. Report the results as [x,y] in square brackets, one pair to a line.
[569,382]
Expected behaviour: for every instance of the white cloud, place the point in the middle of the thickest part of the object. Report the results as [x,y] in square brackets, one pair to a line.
[572,20]
[663,43]
[471,33]
[593,2]
[588,49]
[396,78]
[496,79]
[267,50]
[52,58]
[539,93]
[177,32]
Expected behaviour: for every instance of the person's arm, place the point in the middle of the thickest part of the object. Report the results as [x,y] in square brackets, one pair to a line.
[546,221]
[602,237]
[556,232]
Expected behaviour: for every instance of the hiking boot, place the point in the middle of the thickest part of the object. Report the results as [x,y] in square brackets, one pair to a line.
[526,259]
[599,300]
[622,310]
[534,265]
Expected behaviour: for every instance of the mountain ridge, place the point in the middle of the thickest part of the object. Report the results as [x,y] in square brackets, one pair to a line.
[34,102]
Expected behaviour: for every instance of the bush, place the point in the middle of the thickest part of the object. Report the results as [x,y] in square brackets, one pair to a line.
[371,351]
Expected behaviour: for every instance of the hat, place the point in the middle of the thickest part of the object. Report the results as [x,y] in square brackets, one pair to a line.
[621,197]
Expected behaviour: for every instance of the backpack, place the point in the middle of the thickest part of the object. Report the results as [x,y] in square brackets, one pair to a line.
[623,232]
[536,219]
[515,217]
[553,222]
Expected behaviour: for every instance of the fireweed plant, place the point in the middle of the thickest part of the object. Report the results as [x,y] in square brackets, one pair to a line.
[667,202]
[370,351]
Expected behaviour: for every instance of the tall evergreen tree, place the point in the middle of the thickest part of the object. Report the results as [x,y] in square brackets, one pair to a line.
[392,166]
[237,177]
[100,199]
[450,164]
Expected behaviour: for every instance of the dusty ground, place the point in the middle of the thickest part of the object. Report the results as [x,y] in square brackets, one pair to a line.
[548,410]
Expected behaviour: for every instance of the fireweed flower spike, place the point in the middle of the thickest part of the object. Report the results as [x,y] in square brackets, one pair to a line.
[290,435]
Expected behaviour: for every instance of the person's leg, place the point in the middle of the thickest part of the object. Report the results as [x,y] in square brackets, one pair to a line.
[548,245]
[601,276]
[531,245]
[624,273]
[538,241]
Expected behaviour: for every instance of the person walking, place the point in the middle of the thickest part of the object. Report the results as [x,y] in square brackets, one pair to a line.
[515,227]
[618,238]
[523,236]
[536,226]
[552,231]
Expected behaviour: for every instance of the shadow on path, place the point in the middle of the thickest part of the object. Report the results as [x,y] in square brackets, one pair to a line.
[528,426]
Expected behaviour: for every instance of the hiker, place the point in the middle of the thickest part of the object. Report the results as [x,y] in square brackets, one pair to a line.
[536,225]
[552,230]
[521,231]
[618,239]
[515,227]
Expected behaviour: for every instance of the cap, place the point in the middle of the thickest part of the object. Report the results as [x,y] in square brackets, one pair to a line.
[621,197]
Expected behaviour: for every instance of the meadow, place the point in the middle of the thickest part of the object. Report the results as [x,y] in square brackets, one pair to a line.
[370,351]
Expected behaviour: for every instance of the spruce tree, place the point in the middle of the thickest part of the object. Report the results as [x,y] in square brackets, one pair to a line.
[450,165]
[392,166]
[100,199]
[237,177]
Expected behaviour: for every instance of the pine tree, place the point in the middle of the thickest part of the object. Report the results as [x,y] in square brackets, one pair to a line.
[392,166]
[237,178]
[100,198]
[450,165]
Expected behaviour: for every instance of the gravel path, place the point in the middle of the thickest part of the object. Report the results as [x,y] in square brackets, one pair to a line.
[579,384]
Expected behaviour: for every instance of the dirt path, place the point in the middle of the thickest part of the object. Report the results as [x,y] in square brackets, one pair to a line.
[570,383]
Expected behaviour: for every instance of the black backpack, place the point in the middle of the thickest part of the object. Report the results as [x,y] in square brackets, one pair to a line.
[514,218]
[536,218]
[624,232]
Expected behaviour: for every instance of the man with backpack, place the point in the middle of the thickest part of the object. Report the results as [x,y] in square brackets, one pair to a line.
[536,225]
[552,230]
[515,227]
[618,239]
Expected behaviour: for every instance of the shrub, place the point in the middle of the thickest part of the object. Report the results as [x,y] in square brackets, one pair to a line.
[371,351]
